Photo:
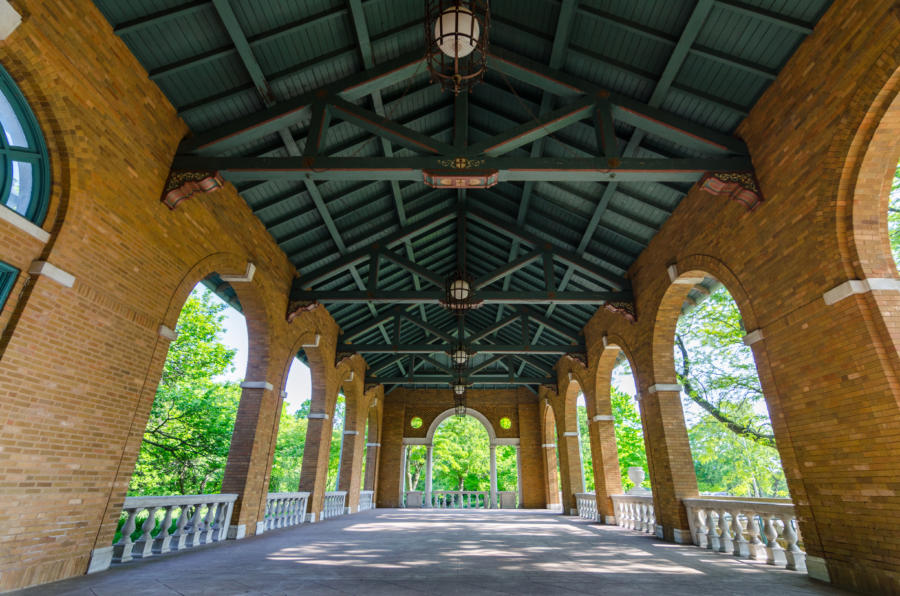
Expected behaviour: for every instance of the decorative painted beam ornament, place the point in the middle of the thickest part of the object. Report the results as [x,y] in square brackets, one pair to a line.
[183,184]
[622,307]
[460,178]
[742,187]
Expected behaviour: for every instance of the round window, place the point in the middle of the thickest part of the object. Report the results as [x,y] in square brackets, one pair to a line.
[505,423]
[24,171]
[416,422]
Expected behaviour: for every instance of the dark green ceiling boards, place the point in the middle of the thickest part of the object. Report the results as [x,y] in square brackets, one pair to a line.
[598,117]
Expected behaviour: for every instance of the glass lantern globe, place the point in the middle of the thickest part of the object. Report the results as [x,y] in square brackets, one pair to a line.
[460,290]
[459,389]
[459,357]
[456,32]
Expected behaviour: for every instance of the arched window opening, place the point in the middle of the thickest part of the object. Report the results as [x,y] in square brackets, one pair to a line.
[291,441]
[629,430]
[731,436]
[337,442]
[415,468]
[461,455]
[362,467]
[188,435]
[894,217]
[25,171]
[584,444]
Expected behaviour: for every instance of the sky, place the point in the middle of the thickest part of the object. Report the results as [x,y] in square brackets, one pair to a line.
[298,386]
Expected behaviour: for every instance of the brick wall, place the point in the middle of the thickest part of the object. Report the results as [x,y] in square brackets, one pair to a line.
[829,372]
[402,405]
[79,366]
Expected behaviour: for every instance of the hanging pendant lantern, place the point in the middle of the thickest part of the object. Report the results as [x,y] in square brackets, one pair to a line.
[456,33]
[459,357]
[459,295]
[458,387]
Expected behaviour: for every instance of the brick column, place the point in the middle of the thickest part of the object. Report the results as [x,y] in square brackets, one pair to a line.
[605,460]
[351,467]
[314,473]
[671,465]
[571,480]
[550,465]
[371,465]
[532,484]
[390,489]
[248,457]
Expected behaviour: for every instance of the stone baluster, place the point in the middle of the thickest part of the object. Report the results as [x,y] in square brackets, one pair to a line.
[179,537]
[725,545]
[164,538]
[143,548]
[700,529]
[193,527]
[122,548]
[794,557]
[774,552]
[209,523]
[712,536]
[756,548]
[740,546]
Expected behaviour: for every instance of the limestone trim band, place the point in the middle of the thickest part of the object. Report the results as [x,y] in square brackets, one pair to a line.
[672,270]
[570,434]
[600,417]
[549,445]
[317,416]
[753,337]
[257,385]
[315,343]
[859,286]
[9,19]
[664,387]
[246,277]
[53,272]
[351,432]
[373,444]
[167,333]
[8,215]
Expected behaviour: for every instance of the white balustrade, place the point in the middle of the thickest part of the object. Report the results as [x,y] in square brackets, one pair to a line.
[635,512]
[587,505]
[748,529]
[335,501]
[366,500]
[284,510]
[173,523]
[461,499]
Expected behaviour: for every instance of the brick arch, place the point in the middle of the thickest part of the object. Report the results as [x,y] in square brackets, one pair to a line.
[606,362]
[668,310]
[863,192]
[570,405]
[548,424]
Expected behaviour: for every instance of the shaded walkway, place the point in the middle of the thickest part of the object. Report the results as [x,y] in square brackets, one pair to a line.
[397,551]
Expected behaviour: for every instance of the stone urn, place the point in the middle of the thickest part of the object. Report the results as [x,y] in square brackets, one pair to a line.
[636,475]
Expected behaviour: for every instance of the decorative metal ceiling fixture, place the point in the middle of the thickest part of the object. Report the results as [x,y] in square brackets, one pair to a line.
[459,388]
[459,293]
[456,42]
[460,357]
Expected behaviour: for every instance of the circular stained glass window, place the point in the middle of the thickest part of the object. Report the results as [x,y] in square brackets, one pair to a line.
[416,422]
[505,423]
[25,171]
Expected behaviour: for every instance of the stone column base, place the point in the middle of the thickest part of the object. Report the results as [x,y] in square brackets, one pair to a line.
[817,568]
[682,536]
[240,531]
[101,559]
[260,527]
[609,520]
[311,518]
[660,533]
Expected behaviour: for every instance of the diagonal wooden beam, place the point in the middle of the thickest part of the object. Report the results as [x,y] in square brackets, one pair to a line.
[380,126]
[418,270]
[286,113]
[506,270]
[493,329]
[532,130]
[358,256]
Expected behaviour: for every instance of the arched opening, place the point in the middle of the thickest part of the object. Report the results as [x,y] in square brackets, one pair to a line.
[550,457]
[616,383]
[291,440]
[725,412]
[188,434]
[336,449]
[461,473]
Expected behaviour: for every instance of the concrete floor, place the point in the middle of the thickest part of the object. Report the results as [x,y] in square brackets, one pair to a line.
[397,551]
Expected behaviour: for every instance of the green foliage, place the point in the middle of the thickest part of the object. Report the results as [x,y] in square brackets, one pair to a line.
[732,441]
[461,455]
[894,217]
[337,436]
[629,437]
[584,440]
[289,447]
[188,435]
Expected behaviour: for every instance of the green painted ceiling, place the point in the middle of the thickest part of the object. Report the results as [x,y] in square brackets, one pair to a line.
[702,64]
